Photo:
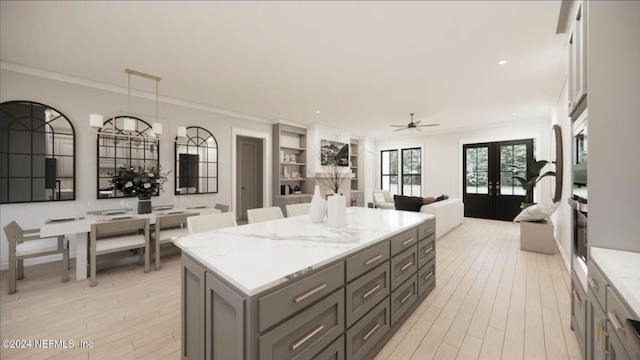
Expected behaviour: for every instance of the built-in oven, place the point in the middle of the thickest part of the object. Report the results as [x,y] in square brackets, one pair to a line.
[580,197]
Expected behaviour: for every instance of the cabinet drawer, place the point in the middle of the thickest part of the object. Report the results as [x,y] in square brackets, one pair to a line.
[617,350]
[364,293]
[578,306]
[403,298]
[367,260]
[427,278]
[290,201]
[403,241]
[597,284]
[278,305]
[403,266]
[305,199]
[427,229]
[618,313]
[366,333]
[307,333]
[426,250]
[335,351]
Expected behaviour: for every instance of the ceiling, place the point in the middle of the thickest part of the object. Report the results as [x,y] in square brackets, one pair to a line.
[363,65]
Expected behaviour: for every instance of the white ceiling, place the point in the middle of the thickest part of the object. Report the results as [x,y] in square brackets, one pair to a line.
[364,65]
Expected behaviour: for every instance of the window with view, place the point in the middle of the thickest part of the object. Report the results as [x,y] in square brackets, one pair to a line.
[411,172]
[389,171]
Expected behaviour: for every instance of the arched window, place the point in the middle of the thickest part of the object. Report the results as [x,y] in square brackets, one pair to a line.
[37,153]
[118,148]
[196,162]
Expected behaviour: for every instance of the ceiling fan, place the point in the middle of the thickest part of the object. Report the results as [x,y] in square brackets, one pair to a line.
[412,125]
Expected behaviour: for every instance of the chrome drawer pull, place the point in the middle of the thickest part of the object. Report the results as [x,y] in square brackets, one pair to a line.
[428,276]
[615,322]
[592,283]
[428,250]
[373,259]
[406,266]
[364,338]
[406,297]
[577,297]
[297,344]
[428,230]
[375,288]
[603,342]
[407,241]
[299,298]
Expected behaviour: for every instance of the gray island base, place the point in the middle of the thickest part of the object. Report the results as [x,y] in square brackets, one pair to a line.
[346,306]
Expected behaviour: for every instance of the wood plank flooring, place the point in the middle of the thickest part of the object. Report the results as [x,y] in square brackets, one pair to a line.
[492,301]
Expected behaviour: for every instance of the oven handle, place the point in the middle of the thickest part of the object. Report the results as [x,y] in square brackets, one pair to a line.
[582,207]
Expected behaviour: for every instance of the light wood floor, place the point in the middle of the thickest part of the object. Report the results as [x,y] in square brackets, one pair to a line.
[491,301]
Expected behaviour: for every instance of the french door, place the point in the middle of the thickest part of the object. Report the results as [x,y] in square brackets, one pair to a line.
[489,189]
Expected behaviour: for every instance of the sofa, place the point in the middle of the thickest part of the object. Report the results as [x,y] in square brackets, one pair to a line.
[449,214]
[382,199]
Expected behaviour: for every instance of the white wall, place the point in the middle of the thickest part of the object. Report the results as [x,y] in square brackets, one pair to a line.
[614,124]
[77,102]
[563,217]
[442,161]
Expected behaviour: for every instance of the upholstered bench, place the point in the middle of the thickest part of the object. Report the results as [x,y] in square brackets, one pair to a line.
[449,214]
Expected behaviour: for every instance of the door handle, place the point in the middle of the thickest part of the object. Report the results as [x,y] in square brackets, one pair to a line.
[243,188]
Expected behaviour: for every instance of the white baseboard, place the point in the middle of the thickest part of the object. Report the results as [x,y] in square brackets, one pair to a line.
[567,261]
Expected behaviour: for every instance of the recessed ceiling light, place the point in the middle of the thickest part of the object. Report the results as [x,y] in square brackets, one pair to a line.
[317,111]
[515,114]
[502,62]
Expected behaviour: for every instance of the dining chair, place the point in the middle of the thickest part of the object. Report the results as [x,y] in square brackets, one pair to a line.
[113,236]
[298,209]
[208,222]
[17,237]
[264,214]
[166,228]
[222,207]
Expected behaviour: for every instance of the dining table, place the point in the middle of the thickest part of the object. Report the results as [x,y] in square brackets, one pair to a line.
[79,228]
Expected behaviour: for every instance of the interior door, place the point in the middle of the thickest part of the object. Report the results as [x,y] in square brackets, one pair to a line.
[248,173]
[490,191]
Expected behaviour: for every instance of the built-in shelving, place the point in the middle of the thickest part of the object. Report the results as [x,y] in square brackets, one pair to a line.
[289,157]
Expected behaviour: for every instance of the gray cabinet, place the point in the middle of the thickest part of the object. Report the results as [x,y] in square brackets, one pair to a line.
[607,313]
[578,61]
[193,309]
[579,307]
[344,310]
[283,200]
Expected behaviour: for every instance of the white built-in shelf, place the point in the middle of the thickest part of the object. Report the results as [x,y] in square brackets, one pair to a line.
[292,148]
[354,167]
[297,164]
[354,178]
[296,179]
[354,155]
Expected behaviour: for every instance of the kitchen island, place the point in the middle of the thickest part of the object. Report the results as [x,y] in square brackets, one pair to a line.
[292,289]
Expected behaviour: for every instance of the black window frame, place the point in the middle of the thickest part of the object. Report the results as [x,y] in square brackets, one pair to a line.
[382,174]
[410,175]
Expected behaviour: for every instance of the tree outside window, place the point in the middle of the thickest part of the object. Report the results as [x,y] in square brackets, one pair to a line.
[389,171]
[411,172]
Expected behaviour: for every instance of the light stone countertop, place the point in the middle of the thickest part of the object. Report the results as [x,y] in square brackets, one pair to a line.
[622,268]
[256,257]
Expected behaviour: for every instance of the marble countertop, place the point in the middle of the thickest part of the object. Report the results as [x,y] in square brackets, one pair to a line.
[258,256]
[622,268]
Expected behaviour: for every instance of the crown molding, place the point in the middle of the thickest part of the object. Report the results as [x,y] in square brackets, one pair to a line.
[51,75]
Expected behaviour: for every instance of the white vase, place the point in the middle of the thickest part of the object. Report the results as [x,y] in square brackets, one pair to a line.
[317,208]
[336,211]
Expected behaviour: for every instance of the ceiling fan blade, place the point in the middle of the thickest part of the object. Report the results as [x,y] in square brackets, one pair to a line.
[402,128]
[417,128]
[429,125]
[398,125]
[418,122]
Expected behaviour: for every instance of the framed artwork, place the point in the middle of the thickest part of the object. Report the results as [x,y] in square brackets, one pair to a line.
[334,153]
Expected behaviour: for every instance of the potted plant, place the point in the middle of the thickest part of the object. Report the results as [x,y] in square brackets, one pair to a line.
[532,178]
[140,182]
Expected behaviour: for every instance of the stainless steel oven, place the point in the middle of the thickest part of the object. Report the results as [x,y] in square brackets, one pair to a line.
[580,197]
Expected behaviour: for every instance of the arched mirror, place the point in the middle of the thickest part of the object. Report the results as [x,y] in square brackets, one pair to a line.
[196,162]
[119,147]
[557,144]
[37,153]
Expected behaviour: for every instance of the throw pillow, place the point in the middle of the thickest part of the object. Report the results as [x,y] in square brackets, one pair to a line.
[536,212]
[442,197]
[408,203]
[428,200]
[378,197]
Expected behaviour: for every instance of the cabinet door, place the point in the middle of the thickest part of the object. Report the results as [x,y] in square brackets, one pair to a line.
[224,315]
[578,61]
[193,309]
[615,347]
[597,334]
